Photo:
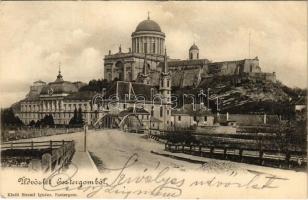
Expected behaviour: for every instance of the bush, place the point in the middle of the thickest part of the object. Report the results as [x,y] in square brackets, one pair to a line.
[186,138]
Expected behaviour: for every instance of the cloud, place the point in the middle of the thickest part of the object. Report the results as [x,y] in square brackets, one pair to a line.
[36,36]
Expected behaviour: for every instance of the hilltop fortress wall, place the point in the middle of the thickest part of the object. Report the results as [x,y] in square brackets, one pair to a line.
[191,72]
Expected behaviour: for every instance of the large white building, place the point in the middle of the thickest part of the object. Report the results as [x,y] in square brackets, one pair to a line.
[59,99]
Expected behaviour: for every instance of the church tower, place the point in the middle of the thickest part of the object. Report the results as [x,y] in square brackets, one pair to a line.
[165,92]
[193,52]
[165,81]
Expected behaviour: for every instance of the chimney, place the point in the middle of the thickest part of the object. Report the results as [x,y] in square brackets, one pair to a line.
[109,52]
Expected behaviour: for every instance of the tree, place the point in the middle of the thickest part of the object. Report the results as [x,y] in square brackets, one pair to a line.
[77,119]
[32,123]
[8,118]
[96,85]
[38,124]
[47,121]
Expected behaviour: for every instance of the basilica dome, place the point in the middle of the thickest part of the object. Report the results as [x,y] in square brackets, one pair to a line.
[148,25]
[148,38]
[194,47]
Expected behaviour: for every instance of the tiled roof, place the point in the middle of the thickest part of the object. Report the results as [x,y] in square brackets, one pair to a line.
[185,77]
[246,119]
[81,95]
[143,90]
[59,87]
[154,119]
[31,98]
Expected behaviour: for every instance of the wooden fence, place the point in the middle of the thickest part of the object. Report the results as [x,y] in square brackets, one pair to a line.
[44,155]
[263,157]
[36,132]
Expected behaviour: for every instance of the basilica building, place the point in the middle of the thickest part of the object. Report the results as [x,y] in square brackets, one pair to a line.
[148,43]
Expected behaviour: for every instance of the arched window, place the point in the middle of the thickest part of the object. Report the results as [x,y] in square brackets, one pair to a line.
[119,68]
[168,83]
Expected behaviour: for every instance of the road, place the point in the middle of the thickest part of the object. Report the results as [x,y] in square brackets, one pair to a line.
[114,148]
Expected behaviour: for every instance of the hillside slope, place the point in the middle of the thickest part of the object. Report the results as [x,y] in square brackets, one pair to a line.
[244,96]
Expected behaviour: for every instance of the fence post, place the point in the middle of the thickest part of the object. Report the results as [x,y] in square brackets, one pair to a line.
[225,152]
[51,146]
[288,156]
[211,152]
[261,157]
[241,155]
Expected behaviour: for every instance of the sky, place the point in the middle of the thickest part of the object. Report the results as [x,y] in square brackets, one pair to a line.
[37,36]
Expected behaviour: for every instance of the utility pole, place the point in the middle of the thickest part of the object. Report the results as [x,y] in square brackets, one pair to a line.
[249,45]
[208,98]
[85,137]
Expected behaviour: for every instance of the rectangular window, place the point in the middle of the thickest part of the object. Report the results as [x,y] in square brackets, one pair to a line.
[195,118]
[179,118]
[205,118]
[153,48]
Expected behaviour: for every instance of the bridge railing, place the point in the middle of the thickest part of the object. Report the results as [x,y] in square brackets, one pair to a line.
[42,155]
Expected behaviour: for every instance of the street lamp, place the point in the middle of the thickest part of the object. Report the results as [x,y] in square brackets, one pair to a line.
[85,137]
[208,98]
[217,109]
